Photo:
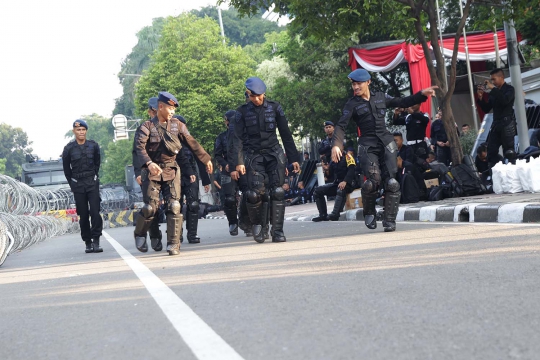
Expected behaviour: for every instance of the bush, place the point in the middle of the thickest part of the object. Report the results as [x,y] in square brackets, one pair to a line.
[467,141]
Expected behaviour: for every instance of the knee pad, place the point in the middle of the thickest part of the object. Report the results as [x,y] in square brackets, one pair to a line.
[147,211]
[194,207]
[392,185]
[278,194]
[230,201]
[369,187]
[252,197]
[173,207]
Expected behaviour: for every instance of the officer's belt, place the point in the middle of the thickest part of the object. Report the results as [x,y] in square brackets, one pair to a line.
[273,149]
[504,118]
[414,142]
[166,165]
[83,174]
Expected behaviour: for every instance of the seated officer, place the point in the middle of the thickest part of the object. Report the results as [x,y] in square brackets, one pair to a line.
[344,183]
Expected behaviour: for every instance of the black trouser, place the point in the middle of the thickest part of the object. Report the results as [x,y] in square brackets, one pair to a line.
[83,200]
[443,154]
[378,163]
[419,145]
[230,189]
[502,134]
[190,192]
[329,190]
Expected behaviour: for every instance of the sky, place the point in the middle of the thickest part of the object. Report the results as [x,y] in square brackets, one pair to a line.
[59,60]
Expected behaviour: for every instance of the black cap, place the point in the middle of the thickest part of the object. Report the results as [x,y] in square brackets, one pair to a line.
[328,123]
[229,115]
[180,117]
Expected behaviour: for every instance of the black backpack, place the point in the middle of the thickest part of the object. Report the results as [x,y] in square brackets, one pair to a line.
[436,193]
[410,193]
[469,183]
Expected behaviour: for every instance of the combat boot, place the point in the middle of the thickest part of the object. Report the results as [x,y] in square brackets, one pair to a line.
[155,242]
[233,229]
[140,243]
[321,217]
[95,245]
[370,213]
[278,217]
[173,248]
[89,247]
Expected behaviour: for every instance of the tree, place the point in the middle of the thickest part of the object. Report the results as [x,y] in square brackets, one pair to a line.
[271,70]
[240,31]
[117,156]
[206,77]
[415,20]
[14,146]
[3,166]
[134,64]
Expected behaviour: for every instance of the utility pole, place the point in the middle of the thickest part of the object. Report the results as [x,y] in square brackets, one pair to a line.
[515,76]
[221,24]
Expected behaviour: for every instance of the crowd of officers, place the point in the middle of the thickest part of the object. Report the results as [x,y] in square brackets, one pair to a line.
[168,162]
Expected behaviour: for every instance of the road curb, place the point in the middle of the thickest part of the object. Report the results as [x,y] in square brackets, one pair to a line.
[471,212]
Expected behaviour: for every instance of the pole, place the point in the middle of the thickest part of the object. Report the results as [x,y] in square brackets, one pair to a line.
[221,24]
[442,53]
[496,39]
[472,91]
[515,76]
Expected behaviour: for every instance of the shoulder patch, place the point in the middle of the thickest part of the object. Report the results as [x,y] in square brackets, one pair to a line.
[350,160]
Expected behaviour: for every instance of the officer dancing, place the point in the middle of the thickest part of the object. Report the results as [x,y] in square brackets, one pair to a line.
[377,150]
[157,145]
[81,160]
[190,189]
[262,158]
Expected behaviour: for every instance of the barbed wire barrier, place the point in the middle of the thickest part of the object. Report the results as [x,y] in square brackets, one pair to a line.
[29,216]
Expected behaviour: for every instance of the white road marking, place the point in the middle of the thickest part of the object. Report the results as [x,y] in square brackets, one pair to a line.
[199,337]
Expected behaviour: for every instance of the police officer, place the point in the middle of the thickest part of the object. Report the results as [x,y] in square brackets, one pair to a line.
[415,123]
[190,189]
[325,146]
[228,185]
[81,160]
[157,146]
[262,158]
[501,101]
[154,231]
[377,150]
[344,183]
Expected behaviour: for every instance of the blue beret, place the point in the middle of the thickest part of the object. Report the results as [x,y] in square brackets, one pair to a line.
[229,115]
[152,103]
[359,75]
[167,98]
[78,123]
[328,123]
[255,85]
[180,117]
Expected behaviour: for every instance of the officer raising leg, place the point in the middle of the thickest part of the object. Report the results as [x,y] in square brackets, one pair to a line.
[81,160]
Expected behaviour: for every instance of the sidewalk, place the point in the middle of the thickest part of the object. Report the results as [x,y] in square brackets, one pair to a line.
[504,208]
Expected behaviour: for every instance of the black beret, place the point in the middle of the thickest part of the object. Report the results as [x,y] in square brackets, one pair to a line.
[328,123]
[167,98]
[255,85]
[359,75]
[152,103]
[229,115]
[80,123]
[180,117]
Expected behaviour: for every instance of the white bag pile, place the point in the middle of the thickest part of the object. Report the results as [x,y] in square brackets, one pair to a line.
[523,176]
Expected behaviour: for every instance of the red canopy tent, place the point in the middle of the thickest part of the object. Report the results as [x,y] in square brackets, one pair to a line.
[386,58]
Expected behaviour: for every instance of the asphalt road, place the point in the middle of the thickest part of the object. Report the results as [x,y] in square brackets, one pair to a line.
[333,291]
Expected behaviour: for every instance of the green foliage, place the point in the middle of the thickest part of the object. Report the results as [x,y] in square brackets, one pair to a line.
[137,61]
[241,31]
[274,45]
[117,156]
[3,166]
[467,141]
[14,146]
[206,77]
[527,20]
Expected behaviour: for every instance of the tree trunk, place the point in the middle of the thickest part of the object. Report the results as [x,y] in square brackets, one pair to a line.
[451,131]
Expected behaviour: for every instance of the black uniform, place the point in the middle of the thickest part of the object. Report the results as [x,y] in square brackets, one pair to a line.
[377,151]
[190,192]
[81,167]
[415,124]
[344,170]
[438,133]
[264,159]
[150,147]
[325,148]
[503,128]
